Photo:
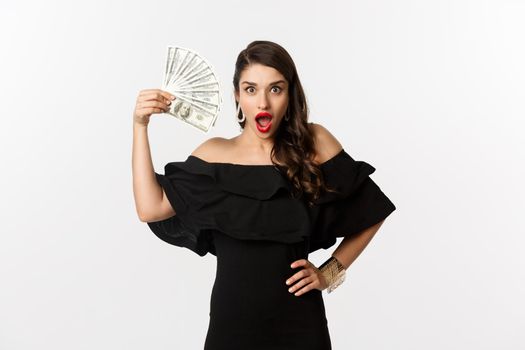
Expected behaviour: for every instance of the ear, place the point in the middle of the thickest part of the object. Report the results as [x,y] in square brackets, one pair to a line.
[236,94]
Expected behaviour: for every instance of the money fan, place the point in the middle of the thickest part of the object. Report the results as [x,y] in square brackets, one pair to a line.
[193,81]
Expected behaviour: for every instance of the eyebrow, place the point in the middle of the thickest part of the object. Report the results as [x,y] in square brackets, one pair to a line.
[252,83]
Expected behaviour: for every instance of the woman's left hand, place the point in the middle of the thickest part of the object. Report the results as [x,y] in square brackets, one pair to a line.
[308,278]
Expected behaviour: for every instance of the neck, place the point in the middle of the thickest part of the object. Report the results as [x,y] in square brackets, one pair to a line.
[249,140]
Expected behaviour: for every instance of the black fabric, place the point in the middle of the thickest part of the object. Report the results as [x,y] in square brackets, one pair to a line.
[358,204]
[246,216]
[243,201]
[251,307]
[254,202]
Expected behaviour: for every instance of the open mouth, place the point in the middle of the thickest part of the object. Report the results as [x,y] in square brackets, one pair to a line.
[263,119]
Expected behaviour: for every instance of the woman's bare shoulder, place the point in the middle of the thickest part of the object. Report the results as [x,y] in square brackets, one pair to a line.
[326,145]
[212,149]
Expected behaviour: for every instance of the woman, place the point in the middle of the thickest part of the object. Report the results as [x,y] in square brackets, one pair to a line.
[261,202]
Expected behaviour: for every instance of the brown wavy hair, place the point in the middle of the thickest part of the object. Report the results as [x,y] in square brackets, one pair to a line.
[294,142]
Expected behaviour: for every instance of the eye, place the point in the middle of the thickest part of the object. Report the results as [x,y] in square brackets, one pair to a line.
[249,87]
[278,88]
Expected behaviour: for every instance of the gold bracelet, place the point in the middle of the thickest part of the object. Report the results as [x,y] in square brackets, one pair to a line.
[334,272]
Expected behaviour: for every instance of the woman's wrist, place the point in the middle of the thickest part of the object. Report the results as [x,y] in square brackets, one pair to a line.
[137,124]
[334,272]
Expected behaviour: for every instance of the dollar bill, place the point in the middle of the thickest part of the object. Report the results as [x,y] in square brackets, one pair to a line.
[188,113]
[191,78]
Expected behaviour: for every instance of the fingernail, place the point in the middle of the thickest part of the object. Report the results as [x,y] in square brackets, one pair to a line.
[169,102]
[288,282]
[172,97]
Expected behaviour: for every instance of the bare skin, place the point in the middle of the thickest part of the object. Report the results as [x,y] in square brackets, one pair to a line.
[150,201]
[258,91]
[261,89]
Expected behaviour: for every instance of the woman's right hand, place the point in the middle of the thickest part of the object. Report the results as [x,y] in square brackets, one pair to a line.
[151,101]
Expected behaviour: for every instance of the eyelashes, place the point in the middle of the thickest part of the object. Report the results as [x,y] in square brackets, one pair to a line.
[273,87]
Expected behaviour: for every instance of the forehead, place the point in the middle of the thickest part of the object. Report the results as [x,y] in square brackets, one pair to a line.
[260,74]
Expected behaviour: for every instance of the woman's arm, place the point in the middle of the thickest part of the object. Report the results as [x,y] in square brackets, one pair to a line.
[151,203]
[351,247]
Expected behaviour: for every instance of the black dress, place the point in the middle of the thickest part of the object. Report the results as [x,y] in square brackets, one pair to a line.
[246,216]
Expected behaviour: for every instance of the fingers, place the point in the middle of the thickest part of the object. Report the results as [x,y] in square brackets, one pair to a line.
[156,104]
[150,107]
[156,92]
[150,111]
[297,263]
[151,101]
[306,279]
[303,286]
[155,95]
[301,274]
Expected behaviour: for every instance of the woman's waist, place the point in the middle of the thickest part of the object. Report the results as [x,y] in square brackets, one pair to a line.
[257,253]
[259,298]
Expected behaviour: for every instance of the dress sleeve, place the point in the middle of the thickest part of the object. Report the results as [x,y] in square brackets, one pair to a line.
[358,203]
[193,194]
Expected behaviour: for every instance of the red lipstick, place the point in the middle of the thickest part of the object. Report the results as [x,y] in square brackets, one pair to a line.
[266,121]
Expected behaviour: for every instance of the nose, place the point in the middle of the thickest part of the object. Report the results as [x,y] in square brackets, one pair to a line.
[263,101]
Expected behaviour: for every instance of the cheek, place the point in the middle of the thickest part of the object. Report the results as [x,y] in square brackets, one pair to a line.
[283,104]
[249,102]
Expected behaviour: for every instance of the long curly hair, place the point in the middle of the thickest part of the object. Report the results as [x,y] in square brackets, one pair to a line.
[294,142]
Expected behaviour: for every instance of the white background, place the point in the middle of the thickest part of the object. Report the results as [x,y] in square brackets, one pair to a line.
[429,92]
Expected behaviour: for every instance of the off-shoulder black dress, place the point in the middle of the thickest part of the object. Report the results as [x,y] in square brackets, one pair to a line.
[246,216]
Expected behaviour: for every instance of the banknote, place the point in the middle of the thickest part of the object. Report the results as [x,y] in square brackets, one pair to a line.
[193,81]
[192,115]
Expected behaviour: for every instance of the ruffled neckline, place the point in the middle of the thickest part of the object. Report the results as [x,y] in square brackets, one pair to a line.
[256,166]
[251,201]
[257,181]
